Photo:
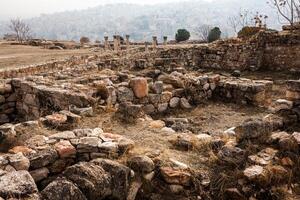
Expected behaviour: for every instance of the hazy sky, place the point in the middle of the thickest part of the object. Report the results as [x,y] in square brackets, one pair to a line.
[30,8]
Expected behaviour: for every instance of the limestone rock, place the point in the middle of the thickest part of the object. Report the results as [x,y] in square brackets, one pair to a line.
[42,158]
[232,155]
[184,103]
[66,135]
[257,174]
[19,161]
[65,149]
[174,102]
[120,177]
[142,164]
[17,184]
[88,144]
[174,176]
[91,179]
[39,174]
[139,86]
[157,87]
[125,94]
[62,189]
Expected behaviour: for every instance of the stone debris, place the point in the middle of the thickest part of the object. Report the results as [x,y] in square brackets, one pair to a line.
[52,148]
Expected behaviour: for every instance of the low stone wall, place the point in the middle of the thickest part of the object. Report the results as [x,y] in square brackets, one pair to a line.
[35,100]
[245,91]
[7,102]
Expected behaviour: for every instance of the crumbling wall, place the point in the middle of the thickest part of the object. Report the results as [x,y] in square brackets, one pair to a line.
[34,101]
[7,102]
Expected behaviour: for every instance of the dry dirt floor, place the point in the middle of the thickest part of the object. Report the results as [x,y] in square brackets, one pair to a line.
[12,56]
[212,118]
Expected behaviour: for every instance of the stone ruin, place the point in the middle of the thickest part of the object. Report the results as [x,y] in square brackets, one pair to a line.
[57,122]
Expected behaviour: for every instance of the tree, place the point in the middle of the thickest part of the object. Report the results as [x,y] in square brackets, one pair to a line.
[237,22]
[203,31]
[20,29]
[289,10]
[214,34]
[182,35]
[84,40]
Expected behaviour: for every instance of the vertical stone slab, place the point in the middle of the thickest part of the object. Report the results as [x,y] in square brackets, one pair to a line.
[165,40]
[127,41]
[106,43]
[154,42]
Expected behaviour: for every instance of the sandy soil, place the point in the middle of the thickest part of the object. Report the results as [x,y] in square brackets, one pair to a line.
[21,55]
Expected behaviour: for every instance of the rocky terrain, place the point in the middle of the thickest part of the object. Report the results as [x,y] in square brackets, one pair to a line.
[155,122]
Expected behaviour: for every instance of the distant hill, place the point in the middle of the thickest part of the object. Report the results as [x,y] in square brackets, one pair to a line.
[143,21]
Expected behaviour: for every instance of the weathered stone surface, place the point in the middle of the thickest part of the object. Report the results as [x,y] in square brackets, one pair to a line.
[42,158]
[17,184]
[139,87]
[39,174]
[65,149]
[142,164]
[86,112]
[257,174]
[157,87]
[184,103]
[91,179]
[174,102]
[88,144]
[254,129]
[19,161]
[174,176]
[264,157]
[62,189]
[66,135]
[125,94]
[129,112]
[232,155]
[120,177]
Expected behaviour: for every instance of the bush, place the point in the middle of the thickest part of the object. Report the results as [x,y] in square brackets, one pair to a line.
[84,40]
[214,34]
[182,35]
[248,31]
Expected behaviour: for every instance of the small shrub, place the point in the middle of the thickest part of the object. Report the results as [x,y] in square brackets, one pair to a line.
[84,40]
[182,35]
[214,34]
[248,31]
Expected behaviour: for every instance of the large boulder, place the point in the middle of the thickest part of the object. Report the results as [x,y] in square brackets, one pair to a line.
[62,189]
[120,177]
[91,179]
[17,184]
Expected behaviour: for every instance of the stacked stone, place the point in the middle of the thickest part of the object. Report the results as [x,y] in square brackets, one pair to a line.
[167,92]
[7,103]
[244,91]
[270,163]
[293,90]
[46,156]
[93,180]
[34,101]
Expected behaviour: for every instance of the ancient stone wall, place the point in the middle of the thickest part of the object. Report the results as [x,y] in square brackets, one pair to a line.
[7,102]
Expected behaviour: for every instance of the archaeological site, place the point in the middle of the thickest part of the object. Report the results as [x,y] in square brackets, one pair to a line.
[156,121]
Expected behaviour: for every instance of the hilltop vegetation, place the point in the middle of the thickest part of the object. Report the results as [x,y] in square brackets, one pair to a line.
[144,21]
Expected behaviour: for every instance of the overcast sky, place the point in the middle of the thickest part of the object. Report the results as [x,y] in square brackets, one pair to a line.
[31,8]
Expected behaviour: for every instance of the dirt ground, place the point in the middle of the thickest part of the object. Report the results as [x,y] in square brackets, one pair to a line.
[213,118]
[21,55]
